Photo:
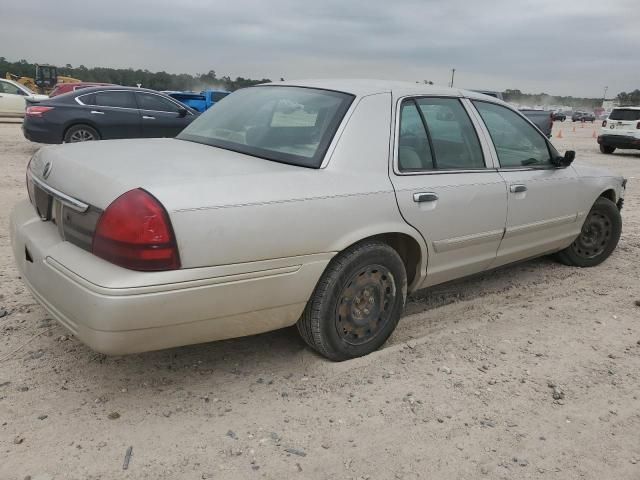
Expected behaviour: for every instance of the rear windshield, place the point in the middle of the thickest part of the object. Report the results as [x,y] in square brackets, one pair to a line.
[625,114]
[292,125]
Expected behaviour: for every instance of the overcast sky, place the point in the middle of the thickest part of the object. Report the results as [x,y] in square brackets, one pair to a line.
[563,47]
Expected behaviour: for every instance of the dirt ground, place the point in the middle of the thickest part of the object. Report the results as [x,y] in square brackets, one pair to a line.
[463,389]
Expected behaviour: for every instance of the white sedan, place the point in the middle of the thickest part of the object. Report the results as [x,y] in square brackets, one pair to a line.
[317,203]
[13,98]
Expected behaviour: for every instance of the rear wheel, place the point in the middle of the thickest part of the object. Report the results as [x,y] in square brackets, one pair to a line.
[357,303]
[598,238]
[81,133]
[607,149]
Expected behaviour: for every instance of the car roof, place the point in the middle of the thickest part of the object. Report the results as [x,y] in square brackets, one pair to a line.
[363,87]
[101,88]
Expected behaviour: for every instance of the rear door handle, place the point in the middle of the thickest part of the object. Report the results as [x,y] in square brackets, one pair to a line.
[425,197]
[97,112]
[518,188]
[147,117]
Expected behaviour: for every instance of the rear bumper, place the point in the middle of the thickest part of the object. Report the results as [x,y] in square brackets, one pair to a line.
[37,130]
[119,311]
[619,141]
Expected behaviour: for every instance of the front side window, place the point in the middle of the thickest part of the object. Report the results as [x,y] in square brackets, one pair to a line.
[437,133]
[517,143]
[292,125]
[148,101]
[119,99]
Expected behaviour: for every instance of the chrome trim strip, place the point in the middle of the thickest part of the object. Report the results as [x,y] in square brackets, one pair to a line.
[63,198]
[449,244]
[541,225]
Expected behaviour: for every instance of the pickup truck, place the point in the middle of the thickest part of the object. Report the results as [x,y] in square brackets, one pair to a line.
[199,101]
[541,119]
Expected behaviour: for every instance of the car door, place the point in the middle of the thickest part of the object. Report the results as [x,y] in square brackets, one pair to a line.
[161,117]
[12,99]
[544,201]
[114,113]
[447,187]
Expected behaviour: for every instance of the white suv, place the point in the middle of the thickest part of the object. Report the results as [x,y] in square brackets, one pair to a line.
[621,130]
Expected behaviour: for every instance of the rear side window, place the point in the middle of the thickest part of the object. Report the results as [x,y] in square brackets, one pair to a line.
[148,101]
[119,99]
[517,143]
[625,114]
[453,138]
[9,88]
[88,99]
[414,152]
[437,133]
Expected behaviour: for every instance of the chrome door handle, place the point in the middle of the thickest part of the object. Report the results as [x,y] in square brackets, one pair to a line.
[147,117]
[97,112]
[518,188]
[425,197]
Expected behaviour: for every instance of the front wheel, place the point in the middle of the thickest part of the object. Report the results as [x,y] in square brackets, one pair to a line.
[598,238]
[357,303]
[607,149]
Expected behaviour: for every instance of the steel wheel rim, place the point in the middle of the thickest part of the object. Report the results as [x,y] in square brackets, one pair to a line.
[81,135]
[594,237]
[365,305]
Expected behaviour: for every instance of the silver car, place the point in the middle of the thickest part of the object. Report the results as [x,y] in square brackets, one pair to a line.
[317,203]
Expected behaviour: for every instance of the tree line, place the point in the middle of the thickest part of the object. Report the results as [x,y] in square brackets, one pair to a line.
[185,81]
[130,77]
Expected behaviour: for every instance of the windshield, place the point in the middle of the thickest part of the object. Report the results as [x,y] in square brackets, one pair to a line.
[292,125]
[625,114]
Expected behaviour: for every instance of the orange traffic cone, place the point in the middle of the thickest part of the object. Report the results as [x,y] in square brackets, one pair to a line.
[559,134]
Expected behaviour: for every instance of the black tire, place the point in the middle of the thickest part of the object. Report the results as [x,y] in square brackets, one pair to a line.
[357,303]
[81,133]
[599,236]
[607,149]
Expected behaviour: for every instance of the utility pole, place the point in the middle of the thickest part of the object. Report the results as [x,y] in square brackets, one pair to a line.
[453,72]
[604,97]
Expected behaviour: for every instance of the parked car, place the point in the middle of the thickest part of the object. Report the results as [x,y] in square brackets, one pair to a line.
[199,101]
[62,88]
[102,113]
[621,130]
[583,117]
[559,116]
[13,98]
[540,118]
[285,205]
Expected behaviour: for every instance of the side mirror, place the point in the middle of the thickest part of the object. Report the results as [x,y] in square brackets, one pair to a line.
[566,160]
[182,113]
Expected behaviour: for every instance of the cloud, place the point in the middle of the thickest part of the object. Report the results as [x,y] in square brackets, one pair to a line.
[561,47]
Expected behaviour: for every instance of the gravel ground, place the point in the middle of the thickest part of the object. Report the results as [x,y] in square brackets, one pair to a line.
[531,371]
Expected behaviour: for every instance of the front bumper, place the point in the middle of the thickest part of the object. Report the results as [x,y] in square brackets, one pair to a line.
[116,311]
[619,141]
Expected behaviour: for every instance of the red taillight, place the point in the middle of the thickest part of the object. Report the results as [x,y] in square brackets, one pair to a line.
[135,232]
[37,111]
[604,123]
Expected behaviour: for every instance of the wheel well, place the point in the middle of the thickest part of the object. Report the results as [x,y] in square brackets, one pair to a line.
[609,194]
[408,249]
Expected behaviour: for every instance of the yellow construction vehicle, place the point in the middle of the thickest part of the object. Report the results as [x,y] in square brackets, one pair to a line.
[45,79]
